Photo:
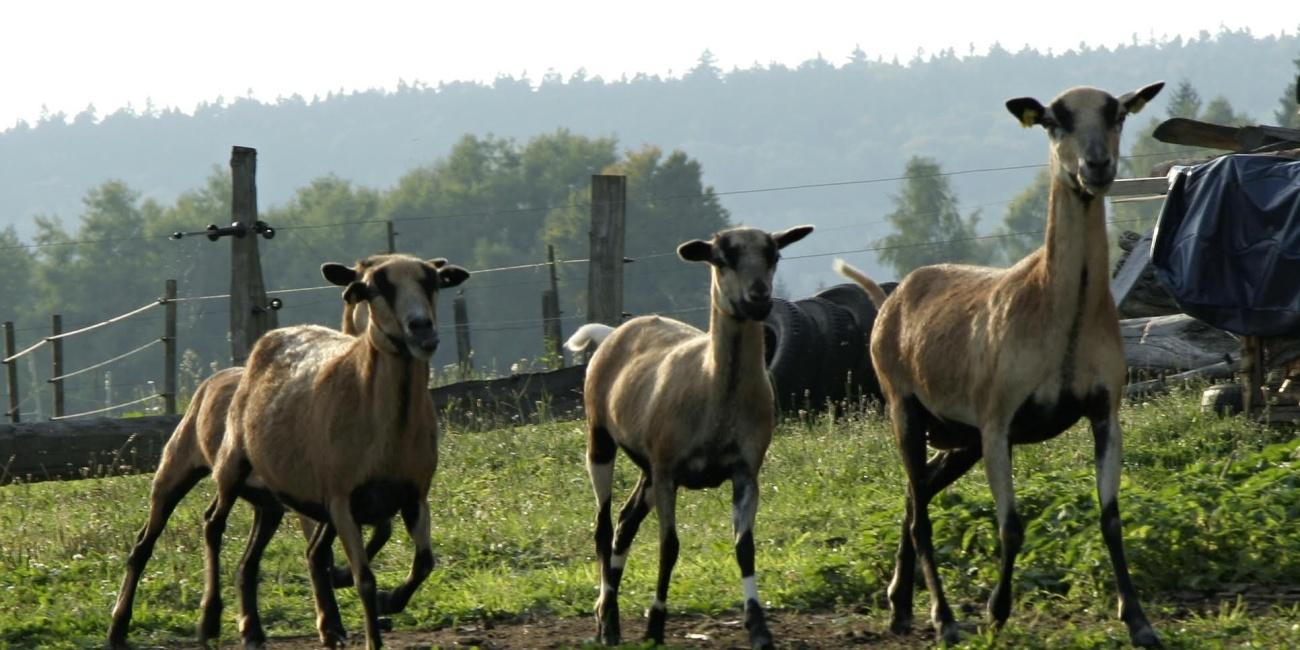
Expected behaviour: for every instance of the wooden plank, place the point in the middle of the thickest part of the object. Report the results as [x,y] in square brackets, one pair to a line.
[1146,186]
[249,317]
[605,275]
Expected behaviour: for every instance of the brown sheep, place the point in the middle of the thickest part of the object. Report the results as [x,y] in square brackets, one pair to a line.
[973,360]
[692,409]
[343,430]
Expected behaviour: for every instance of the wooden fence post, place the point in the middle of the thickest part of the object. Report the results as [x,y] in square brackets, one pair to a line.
[249,315]
[392,237]
[605,274]
[551,325]
[463,351]
[11,372]
[56,328]
[169,347]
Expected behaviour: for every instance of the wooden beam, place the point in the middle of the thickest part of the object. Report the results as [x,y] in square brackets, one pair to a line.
[169,347]
[11,371]
[56,368]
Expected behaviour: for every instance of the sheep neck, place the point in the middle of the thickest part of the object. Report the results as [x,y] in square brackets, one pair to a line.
[397,380]
[735,351]
[1075,266]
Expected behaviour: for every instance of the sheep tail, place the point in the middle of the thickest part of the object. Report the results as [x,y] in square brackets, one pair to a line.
[591,333]
[874,292]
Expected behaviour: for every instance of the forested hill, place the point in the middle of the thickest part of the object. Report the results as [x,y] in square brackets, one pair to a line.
[760,127]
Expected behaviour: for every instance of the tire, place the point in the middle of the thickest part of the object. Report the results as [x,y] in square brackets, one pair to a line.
[832,347]
[1223,399]
[786,332]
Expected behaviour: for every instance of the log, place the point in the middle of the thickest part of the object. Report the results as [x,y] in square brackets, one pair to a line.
[1164,344]
[101,446]
[1216,371]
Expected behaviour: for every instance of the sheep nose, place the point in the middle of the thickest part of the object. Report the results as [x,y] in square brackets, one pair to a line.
[759,294]
[1098,171]
[420,324]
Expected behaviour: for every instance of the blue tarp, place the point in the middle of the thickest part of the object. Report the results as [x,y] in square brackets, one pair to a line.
[1227,245]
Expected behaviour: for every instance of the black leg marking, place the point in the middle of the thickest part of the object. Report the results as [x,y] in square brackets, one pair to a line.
[396,600]
[162,507]
[668,549]
[320,559]
[602,449]
[1107,442]
[1011,537]
[909,427]
[265,522]
[341,575]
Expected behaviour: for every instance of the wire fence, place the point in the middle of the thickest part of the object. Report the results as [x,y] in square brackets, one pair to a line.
[503,325]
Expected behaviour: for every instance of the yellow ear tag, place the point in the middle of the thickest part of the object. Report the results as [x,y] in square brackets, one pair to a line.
[1137,105]
[1028,118]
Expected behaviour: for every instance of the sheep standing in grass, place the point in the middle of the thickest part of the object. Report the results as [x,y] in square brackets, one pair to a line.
[692,409]
[186,459]
[973,360]
[343,430]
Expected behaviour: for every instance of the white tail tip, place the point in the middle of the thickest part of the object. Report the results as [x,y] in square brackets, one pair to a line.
[591,333]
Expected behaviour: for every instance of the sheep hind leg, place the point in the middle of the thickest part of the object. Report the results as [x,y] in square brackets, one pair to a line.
[416,517]
[341,575]
[940,471]
[170,485]
[266,520]
[665,497]
[744,507]
[1107,438]
[320,560]
[340,511]
[909,419]
[601,452]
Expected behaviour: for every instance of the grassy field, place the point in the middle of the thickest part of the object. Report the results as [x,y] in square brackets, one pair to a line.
[1211,507]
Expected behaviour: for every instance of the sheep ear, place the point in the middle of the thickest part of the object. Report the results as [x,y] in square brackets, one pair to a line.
[791,235]
[337,274]
[437,262]
[696,250]
[1030,112]
[1136,100]
[451,275]
[355,293]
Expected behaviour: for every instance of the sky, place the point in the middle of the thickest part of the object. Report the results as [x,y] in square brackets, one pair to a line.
[65,55]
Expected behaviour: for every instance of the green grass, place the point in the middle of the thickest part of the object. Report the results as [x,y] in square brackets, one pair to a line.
[1210,505]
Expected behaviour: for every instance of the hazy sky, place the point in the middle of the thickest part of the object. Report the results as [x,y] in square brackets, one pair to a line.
[66,55]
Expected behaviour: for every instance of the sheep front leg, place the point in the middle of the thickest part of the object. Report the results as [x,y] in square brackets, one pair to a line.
[266,519]
[320,563]
[744,507]
[340,509]
[665,495]
[416,517]
[909,429]
[230,473]
[1011,533]
[1107,438]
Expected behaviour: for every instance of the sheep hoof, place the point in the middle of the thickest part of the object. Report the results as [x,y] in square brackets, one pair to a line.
[333,637]
[385,624]
[900,625]
[1143,636]
[947,633]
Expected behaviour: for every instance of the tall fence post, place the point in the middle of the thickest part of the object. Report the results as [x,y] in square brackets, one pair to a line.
[250,316]
[392,237]
[169,347]
[56,328]
[464,358]
[605,275]
[11,372]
